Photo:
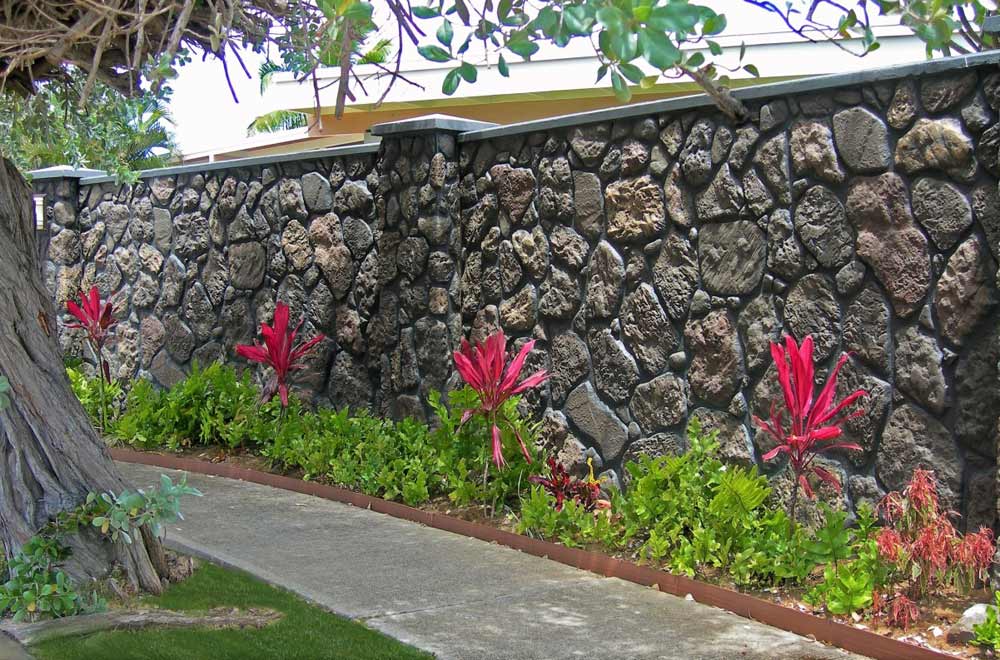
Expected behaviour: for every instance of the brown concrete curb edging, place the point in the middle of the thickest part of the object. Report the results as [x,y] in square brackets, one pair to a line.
[846,637]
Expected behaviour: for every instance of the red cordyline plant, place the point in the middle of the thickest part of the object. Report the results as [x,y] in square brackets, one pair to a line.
[97,319]
[814,423]
[561,486]
[482,368]
[923,546]
[278,352]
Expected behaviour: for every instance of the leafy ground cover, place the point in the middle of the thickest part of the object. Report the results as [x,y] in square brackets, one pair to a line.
[305,631]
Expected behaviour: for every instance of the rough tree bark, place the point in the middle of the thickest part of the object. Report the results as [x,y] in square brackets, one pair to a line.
[50,455]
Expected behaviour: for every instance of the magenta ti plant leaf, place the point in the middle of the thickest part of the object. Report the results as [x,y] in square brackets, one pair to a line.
[814,423]
[279,352]
[484,368]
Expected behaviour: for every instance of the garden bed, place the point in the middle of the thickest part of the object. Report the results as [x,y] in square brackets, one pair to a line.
[825,629]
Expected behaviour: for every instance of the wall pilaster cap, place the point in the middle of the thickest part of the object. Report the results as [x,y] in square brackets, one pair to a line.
[64,172]
[430,124]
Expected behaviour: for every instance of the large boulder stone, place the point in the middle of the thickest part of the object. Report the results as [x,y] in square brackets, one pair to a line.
[316,192]
[354,199]
[812,309]
[646,329]
[515,189]
[350,385]
[660,403]
[677,198]
[813,152]
[942,210]
[903,107]
[866,428]
[937,144]
[889,240]
[570,363]
[518,312]
[716,371]
[722,199]
[976,395]
[295,244]
[758,199]
[733,437]
[966,291]
[615,371]
[560,295]
[635,209]
[696,157]
[65,247]
[588,201]
[675,274]
[759,326]
[532,249]
[940,93]
[568,247]
[919,369]
[866,328]
[821,222]
[986,207]
[863,140]
[743,143]
[596,422]
[913,439]
[604,286]
[589,142]
[732,257]
[290,199]
[772,161]
[785,254]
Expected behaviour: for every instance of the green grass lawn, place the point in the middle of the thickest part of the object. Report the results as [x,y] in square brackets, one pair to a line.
[305,632]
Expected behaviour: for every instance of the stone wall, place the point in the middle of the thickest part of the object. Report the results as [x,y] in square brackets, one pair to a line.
[653,256]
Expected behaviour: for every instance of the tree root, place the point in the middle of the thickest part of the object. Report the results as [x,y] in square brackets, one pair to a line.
[87,624]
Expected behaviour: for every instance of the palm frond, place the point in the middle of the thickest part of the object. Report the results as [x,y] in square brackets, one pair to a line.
[278,120]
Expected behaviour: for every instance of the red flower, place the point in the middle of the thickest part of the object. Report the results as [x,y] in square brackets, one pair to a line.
[93,316]
[482,368]
[279,352]
[922,492]
[814,423]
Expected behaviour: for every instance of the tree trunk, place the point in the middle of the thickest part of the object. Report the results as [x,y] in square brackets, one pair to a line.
[50,455]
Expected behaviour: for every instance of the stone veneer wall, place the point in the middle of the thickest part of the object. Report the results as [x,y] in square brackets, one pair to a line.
[653,257]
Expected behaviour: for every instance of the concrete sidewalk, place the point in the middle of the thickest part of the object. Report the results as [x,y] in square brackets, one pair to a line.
[456,597]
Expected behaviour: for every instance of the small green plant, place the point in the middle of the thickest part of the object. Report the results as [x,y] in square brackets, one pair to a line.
[4,392]
[987,633]
[33,584]
[101,400]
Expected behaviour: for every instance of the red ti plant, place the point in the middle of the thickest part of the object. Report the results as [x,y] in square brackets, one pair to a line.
[278,352]
[814,423]
[96,317]
[586,493]
[482,368]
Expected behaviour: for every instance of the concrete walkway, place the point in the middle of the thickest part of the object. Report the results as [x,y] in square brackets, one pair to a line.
[456,597]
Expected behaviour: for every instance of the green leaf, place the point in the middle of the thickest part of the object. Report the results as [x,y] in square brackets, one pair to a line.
[714,48]
[714,25]
[631,71]
[425,12]
[621,87]
[451,82]
[359,12]
[502,67]
[445,34]
[695,61]
[468,72]
[522,46]
[434,53]
[752,70]
[658,49]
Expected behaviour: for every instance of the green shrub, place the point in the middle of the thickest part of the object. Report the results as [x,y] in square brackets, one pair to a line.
[211,406]
[88,390]
[988,632]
